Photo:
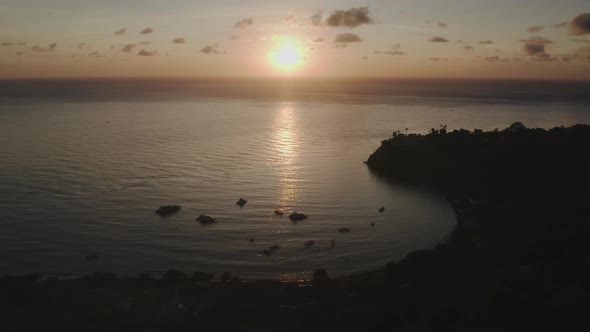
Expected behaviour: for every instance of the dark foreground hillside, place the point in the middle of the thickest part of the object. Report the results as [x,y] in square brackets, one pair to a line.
[517,261]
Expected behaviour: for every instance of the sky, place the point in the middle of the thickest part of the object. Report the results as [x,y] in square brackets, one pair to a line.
[531,39]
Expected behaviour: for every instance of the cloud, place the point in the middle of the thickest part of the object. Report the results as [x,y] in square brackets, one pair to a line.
[82,46]
[145,43]
[494,58]
[121,32]
[394,52]
[96,55]
[146,31]
[580,25]
[347,38]
[244,23]
[441,24]
[179,41]
[438,39]
[128,48]
[211,49]
[438,59]
[535,28]
[581,40]
[561,25]
[536,40]
[486,42]
[468,48]
[351,18]
[50,48]
[319,40]
[316,19]
[582,53]
[536,50]
[147,53]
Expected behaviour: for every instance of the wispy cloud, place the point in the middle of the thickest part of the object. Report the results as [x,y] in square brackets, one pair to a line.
[438,39]
[536,40]
[350,18]
[244,23]
[535,28]
[486,42]
[147,31]
[347,38]
[147,53]
[50,48]
[211,49]
[179,41]
[128,48]
[120,32]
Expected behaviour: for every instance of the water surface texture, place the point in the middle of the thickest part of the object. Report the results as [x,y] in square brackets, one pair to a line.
[84,167]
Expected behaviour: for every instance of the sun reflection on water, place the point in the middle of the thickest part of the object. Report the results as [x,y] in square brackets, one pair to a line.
[286,159]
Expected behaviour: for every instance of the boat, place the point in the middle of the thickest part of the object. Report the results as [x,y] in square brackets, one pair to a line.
[309,243]
[297,216]
[168,210]
[241,202]
[204,219]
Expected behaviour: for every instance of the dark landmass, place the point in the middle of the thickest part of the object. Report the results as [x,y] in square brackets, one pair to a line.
[517,260]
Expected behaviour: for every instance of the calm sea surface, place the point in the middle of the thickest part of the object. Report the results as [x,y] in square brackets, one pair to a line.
[83,166]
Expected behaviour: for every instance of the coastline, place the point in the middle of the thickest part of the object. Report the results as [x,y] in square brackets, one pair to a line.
[515,260]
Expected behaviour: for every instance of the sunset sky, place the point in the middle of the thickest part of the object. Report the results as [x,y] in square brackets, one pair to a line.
[320,38]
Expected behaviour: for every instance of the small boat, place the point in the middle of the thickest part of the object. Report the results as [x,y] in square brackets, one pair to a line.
[241,202]
[168,210]
[343,229]
[203,219]
[309,243]
[381,210]
[372,224]
[279,212]
[297,216]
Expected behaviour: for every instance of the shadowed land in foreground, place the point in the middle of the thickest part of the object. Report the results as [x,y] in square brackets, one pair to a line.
[516,260]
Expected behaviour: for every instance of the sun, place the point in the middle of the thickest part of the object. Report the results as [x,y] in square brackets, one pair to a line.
[287,56]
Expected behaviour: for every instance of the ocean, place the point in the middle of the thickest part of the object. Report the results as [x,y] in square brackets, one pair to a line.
[84,164]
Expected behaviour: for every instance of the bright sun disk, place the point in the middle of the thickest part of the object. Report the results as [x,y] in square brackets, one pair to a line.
[286,56]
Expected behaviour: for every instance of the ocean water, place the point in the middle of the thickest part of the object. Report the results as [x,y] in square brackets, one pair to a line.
[84,164]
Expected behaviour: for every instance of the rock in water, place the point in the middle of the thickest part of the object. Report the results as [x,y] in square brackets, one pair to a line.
[279,212]
[309,243]
[168,210]
[381,210]
[297,216]
[241,202]
[343,229]
[203,219]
